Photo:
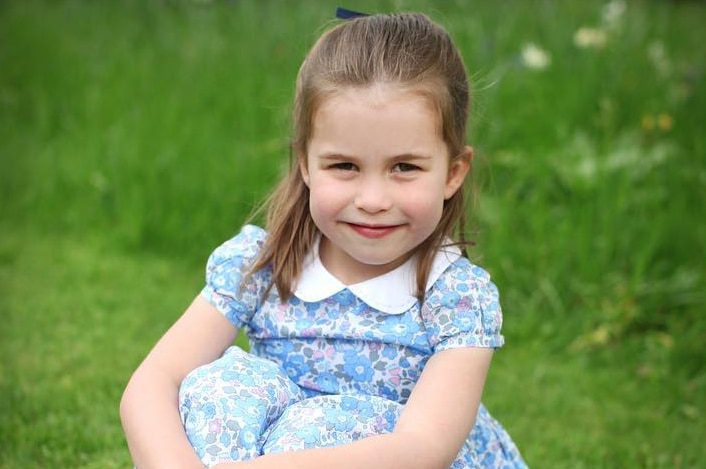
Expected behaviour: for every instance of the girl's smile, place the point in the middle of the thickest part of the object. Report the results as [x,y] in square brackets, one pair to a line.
[373,232]
[378,174]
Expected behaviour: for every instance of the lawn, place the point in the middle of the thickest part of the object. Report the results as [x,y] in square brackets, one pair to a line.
[136,136]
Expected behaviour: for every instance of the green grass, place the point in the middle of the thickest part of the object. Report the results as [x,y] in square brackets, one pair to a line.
[136,136]
[81,314]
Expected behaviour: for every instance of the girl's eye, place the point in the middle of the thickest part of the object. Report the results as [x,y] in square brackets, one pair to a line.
[404,167]
[343,166]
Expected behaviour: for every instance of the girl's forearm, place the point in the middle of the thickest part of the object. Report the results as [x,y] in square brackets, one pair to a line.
[150,418]
[391,451]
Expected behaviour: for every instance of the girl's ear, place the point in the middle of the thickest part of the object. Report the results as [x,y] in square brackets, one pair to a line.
[303,170]
[457,172]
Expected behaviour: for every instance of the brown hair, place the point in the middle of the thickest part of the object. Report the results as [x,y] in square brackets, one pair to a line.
[407,50]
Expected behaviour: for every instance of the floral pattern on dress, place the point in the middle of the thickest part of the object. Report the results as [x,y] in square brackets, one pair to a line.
[332,354]
[242,406]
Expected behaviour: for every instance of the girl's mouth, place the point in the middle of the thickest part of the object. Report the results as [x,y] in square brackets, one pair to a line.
[373,232]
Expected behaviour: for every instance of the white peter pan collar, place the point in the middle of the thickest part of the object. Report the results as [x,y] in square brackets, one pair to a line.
[391,293]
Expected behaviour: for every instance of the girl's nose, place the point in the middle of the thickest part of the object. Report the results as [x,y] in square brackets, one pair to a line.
[373,196]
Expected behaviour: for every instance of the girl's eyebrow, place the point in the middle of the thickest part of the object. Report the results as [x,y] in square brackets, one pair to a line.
[401,157]
[411,157]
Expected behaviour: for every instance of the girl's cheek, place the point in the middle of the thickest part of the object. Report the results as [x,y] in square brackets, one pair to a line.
[329,188]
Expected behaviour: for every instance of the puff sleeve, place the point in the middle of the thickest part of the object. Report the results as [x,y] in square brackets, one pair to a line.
[462,309]
[227,266]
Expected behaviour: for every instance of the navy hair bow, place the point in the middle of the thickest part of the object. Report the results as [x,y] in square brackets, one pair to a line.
[344,14]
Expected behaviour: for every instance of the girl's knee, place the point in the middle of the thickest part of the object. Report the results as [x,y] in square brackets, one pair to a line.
[226,405]
[238,374]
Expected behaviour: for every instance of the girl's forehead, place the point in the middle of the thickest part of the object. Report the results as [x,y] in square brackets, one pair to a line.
[379,93]
[376,121]
[378,96]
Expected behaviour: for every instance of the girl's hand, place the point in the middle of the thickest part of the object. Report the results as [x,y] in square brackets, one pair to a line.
[149,409]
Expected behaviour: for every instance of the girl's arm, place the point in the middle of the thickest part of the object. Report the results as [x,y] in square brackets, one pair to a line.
[149,407]
[430,432]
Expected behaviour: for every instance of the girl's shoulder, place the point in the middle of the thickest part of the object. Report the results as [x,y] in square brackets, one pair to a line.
[236,256]
[245,244]
[462,309]
[464,278]
[464,269]
[450,267]
[227,268]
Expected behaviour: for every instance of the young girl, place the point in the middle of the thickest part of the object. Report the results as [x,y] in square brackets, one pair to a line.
[371,333]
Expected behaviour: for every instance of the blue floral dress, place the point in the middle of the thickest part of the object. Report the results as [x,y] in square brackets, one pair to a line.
[335,363]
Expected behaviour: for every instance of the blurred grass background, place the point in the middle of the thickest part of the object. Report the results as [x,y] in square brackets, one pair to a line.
[136,136]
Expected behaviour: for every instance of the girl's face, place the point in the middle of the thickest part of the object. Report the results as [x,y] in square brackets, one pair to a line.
[378,173]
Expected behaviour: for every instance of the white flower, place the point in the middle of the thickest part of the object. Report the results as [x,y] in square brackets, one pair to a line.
[613,12]
[657,54]
[534,57]
[590,37]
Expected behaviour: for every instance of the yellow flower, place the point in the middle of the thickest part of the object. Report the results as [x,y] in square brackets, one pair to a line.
[648,123]
[665,122]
